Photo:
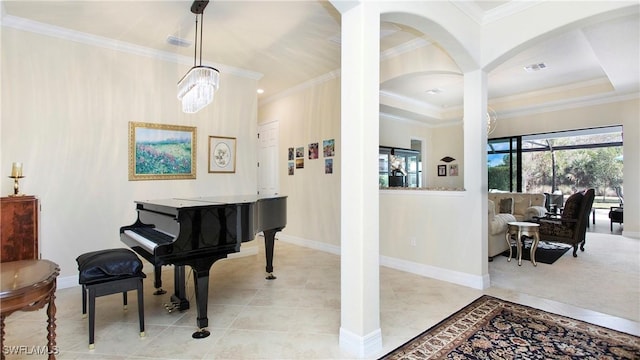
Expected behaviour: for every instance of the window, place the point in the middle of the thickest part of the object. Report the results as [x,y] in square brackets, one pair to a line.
[503,162]
[561,162]
[399,167]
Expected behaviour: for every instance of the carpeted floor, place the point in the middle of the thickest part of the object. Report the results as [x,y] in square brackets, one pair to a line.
[491,328]
[602,278]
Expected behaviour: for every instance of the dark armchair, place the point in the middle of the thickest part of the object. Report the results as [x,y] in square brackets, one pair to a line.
[571,227]
[616,215]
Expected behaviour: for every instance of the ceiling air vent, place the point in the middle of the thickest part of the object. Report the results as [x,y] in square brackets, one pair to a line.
[535,67]
[174,40]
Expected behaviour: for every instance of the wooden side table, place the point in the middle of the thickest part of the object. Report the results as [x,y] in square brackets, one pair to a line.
[29,285]
[520,229]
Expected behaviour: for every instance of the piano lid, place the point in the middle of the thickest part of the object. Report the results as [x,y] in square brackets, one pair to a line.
[195,202]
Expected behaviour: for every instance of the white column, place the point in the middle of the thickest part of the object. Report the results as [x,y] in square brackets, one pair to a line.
[475,165]
[360,298]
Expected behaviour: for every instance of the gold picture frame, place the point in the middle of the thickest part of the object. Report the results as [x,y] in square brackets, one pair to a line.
[222,154]
[161,152]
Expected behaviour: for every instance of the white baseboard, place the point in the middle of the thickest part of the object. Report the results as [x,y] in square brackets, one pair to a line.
[67,282]
[631,234]
[332,249]
[456,277]
[361,346]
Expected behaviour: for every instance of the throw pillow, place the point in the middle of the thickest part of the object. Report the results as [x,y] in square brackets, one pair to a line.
[506,206]
[521,204]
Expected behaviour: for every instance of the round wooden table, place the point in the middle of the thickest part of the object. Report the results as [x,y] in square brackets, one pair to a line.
[29,285]
[520,229]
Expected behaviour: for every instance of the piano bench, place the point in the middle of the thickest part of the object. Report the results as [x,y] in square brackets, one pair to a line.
[107,272]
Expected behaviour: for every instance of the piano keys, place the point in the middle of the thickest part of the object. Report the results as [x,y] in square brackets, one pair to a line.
[197,232]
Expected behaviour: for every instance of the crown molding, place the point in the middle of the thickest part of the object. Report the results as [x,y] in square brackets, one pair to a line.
[305,85]
[23,24]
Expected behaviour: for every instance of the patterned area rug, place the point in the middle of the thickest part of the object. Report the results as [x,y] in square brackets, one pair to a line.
[546,252]
[491,328]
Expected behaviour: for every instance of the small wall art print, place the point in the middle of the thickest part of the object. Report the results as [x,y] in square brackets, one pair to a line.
[300,152]
[222,154]
[161,152]
[453,170]
[313,151]
[291,153]
[328,166]
[442,170]
[328,147]
[290,167]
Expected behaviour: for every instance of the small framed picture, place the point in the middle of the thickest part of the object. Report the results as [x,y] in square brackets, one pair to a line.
[222,154]
[442,170]
[453,170]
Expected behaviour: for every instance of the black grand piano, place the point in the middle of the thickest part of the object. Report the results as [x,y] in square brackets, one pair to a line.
[197,232]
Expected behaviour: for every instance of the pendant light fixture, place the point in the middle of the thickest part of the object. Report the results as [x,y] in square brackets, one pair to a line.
[492,120]
[197,87]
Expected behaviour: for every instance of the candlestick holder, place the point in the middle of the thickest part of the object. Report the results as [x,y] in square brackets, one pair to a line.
[16,185]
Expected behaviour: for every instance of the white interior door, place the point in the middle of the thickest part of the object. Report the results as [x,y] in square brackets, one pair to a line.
[268,158]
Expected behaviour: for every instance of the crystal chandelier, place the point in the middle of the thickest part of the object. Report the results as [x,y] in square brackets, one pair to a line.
[197,87]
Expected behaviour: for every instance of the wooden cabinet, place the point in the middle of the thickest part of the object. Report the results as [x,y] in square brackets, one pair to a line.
[19,228]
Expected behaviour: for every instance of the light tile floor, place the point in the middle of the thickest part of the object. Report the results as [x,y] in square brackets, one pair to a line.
[297,316]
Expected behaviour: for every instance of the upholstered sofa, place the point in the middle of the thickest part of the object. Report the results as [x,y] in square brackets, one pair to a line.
[523,206]
[505,207]
[497,230]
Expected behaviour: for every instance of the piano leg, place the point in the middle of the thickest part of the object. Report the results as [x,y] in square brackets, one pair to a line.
[269,240]
[201,269]
[179,298]
[201,283]
[157,280]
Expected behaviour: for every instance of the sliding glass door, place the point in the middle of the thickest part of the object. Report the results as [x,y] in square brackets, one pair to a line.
[504,161]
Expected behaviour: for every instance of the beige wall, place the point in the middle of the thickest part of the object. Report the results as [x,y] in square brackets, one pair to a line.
[438,142]
[309,116]
[446,141]
[65,113]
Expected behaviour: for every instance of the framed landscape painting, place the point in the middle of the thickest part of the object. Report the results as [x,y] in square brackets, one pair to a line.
[161,152]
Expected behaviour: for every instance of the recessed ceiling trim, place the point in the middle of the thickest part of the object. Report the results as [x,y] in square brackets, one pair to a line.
[506,10]
[404,48]
[551,90]
[567,105]
[482,17]
[408,102]
[403,119]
